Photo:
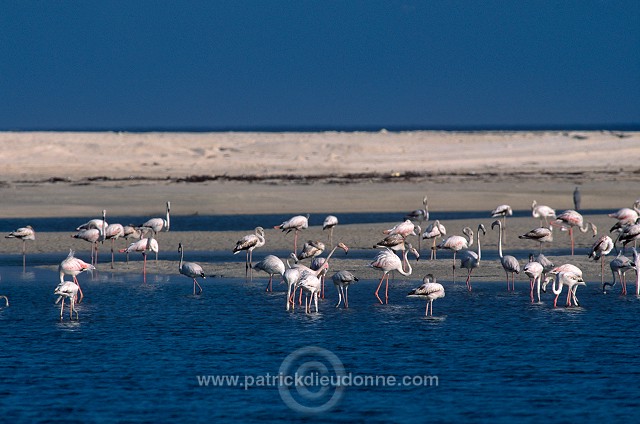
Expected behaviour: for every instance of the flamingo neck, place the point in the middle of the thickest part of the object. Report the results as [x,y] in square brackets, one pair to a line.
[557,290]
[405,259]
[500,240]
[479,251]
[181,258]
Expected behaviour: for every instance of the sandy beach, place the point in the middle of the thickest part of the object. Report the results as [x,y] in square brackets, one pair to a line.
[79,174]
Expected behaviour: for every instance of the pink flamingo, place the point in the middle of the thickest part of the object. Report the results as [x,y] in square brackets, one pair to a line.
[249,243]
[69,290]
[433,231]
[159,224]
[564,268]
[572,281]
[24,234]
[272,265]
[456,244]
[405,229]
[143,246]
[296,224]
[113,232]
[191,270]
[574,219]
[429,290]
[329,223]
[74,266]
[93,236]
[387,261]
[509,263]
[542,212]
[601,248]
[534,271]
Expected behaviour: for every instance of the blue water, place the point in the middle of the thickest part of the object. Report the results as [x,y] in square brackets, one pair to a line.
[137,350]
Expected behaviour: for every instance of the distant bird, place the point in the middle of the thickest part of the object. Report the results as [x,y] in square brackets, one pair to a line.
[311,249]
[131,231]
[113,232]
[542,212]
[74,266]
[429,290]
[509,263]
[296,224]
[419,214]
[272,265]
[601,248]
[502,211]
[433,231]
[24,234]
[471,260]
[144,245]
[456,244]
[95,224]
[387,261]
[93,236]
[190,269]
[68,290]
[249,243]
[574,219]
[626,214]
[619,265]
[159,224]
[342,280]
[540,234]
[534,271]
[577,199]
[329,223]
[572,281]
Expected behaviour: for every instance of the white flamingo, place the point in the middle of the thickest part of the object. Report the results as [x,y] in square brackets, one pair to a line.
[601,248]
[144,245]
[457,243]
[534,271]
[471,260]
[113,232]
[572,281]
[387,261]
[296,224]
[74,266]
[342,280]
[272,265]
[542,212]
[329,223]
[24,234]
[249,243]
[68,290]
[310,285]
[509,263]
[420,214]
[540,234]
[574,219]
[190,269]
[433,231]
[429,290]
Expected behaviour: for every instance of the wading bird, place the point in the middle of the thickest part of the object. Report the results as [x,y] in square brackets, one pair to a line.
[456,244]
[540,234]
[342,280]
[272,265]
[93,235]
[159,224]
[419,214]
[249,243]
[572,281]
[534,271]
[471,260]
[433,231]
[542,212]
[601,248]
[329,223]
[429,290]
[24,234]
[68,290]
[574,219]
[144,245]
[74,266]
[113,232]
[296,224]
[190,269]
[619,265]
[509,263]
[387,261]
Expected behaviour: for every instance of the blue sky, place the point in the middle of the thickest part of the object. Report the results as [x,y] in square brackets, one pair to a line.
[242,64]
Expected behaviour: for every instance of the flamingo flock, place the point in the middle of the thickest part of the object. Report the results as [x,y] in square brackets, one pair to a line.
[391,259]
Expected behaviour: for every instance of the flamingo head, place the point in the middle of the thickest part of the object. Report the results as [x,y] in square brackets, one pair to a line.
[344,247]
[496,222]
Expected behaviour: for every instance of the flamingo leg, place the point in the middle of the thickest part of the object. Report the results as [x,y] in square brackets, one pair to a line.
[300,298]
[602,269]
[62,308]
[339,296]
[531,281]
[322,289]
[571,235]
[112,256]
[426,312]
[144,268]
[378,289]
[315,300]
[386,291]
[454,266]
[346,297]
[468,282]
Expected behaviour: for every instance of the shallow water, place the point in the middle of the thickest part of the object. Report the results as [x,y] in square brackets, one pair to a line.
[137,350]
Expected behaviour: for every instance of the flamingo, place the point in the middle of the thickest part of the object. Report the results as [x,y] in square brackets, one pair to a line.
[626,214]
[419,214]
[542,212]
[619,265]
[601,248]
[297,224]
[69,290]
[502,211]
[630,234]
[93,223]
[316,264]
[311,249]
[534,271]
[73,266]
[456,244]
[249,243]
[131,231]
[329,223]
[433,231]
[547,265]
[387,261]
[574,219]
[310,284]
[540,234]
[342,280]
[93,236]
[509,263]
[572,281]
[6,300]
[561,268]
[190,269]
[24,234]
[405,229]
[159,224]
[290,277]
[471,260]
[143,245]
[113,232]
[271,265]
[394,242]
[429,290]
